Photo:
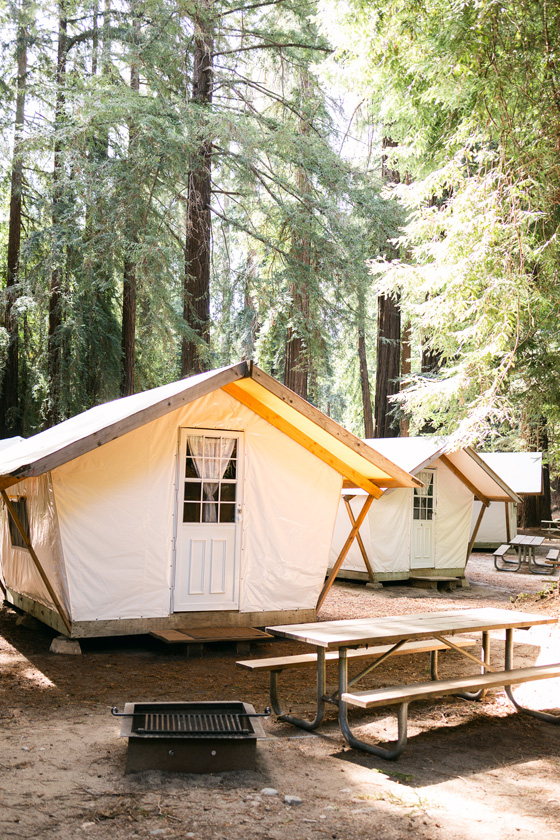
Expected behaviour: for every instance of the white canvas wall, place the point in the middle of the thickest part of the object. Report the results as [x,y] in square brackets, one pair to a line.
[116,510]
[493,529]
[18,569]
[387,531]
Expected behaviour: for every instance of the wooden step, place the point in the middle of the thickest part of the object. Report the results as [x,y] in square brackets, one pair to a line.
[196,637]
[433,581]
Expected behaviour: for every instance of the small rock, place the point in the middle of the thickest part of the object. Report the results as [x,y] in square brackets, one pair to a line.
[158,831]
[87,825]
[25,749]
[292,800]
[62,644]
[269,792]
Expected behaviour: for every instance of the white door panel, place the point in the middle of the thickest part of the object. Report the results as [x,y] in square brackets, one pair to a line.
[422,554]
[208,512]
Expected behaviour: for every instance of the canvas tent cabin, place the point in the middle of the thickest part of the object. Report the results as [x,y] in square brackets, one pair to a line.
[417,532]
[207,501]
[522,471]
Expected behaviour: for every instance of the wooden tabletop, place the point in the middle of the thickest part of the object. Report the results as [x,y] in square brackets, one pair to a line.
[521,539]
[391,629]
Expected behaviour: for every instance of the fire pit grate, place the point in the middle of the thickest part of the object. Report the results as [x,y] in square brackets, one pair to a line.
[190,737]
[162,723]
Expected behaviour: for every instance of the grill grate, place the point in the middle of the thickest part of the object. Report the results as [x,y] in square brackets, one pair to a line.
[208,723]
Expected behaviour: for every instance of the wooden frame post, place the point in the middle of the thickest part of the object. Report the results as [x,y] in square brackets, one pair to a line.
[508,529]
[37,562]
[345,549]
[359,540]
[475,532]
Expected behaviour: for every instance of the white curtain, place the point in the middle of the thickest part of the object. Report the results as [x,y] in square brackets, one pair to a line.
[427,478]
[210,456]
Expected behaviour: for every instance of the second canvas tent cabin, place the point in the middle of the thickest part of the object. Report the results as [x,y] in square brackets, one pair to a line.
[211,500]
[522,471]
[421,531]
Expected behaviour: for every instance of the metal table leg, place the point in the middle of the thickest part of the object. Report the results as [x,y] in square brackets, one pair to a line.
[509,691]
[402,715]
[321,680]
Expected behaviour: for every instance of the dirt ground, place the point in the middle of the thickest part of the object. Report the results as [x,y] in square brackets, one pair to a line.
[471,771]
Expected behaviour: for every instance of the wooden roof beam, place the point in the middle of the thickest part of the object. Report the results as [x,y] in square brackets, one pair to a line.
[304,440]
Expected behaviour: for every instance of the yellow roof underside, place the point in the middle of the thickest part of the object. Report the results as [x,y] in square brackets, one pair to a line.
[373,466]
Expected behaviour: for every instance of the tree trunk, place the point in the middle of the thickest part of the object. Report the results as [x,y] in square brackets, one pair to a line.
[388,365]
[297,365]
[406,369]
[54,343]
[388,335]
[533,509]
[364,379]
[128,334]
[196,285]
[10,422]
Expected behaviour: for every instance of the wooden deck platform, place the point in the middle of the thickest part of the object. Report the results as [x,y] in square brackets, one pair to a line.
[196,637]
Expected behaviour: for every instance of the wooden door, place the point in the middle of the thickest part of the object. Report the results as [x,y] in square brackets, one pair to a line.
[209,509]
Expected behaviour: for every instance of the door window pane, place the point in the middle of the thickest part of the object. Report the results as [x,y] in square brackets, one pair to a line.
[210,478]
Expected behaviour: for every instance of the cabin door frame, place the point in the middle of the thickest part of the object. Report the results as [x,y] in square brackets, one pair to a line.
[208,515]
[424,504]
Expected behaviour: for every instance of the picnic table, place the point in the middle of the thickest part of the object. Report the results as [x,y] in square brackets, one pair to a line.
[395,631]
[525,556]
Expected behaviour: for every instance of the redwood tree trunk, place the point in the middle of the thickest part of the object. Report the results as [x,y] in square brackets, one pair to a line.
[364,379]
[533,509]
[388,365]
[406,369]
[128,332]
[388,336]
[54,340]
[196,285]
[10,423]
[297,366]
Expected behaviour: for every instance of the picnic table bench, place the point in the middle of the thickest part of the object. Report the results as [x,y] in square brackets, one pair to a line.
[346,638]
[274,665]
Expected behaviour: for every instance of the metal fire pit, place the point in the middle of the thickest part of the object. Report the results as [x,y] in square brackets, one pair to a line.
[190,737]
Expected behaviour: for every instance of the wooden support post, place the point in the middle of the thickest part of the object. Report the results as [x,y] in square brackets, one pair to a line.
[359,539]
[508,529]
[37,562]
[475,532]
[345,549]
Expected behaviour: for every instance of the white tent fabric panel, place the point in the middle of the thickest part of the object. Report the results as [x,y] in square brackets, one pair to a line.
[385,533]
[493,528]
[117,505]
[389,520]
[454,504]
[18,569]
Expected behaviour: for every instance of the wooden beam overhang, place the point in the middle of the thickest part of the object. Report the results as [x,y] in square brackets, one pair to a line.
[304,440]
[396,476]
[37,563]
[457,472]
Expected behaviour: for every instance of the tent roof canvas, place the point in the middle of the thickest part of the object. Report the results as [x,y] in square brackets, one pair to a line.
[415,453]
[308,426]
[522,471]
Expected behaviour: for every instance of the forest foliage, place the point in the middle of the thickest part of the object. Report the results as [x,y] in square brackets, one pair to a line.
[185,183]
